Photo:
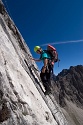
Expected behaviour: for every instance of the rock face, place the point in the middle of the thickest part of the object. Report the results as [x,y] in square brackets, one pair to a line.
[22,101]
[69,93]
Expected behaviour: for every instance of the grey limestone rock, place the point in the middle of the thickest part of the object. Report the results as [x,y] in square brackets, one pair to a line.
[22,101]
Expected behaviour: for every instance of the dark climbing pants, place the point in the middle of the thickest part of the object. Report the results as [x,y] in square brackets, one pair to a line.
[46,77]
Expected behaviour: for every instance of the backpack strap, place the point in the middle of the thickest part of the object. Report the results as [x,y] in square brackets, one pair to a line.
[45,51]
[42,53]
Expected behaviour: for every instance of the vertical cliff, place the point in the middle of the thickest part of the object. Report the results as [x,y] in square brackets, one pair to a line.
[22,101]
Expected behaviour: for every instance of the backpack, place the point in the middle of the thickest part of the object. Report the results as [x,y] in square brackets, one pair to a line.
[54,55]
[52,51]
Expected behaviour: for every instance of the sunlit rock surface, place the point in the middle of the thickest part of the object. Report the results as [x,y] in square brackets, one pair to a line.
[22,101]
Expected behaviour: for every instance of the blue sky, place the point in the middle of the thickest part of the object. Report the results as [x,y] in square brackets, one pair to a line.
[48,21]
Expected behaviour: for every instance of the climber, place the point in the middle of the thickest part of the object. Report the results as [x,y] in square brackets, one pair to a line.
[46,69]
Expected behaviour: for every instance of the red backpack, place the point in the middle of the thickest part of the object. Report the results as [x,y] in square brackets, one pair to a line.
[54,55]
